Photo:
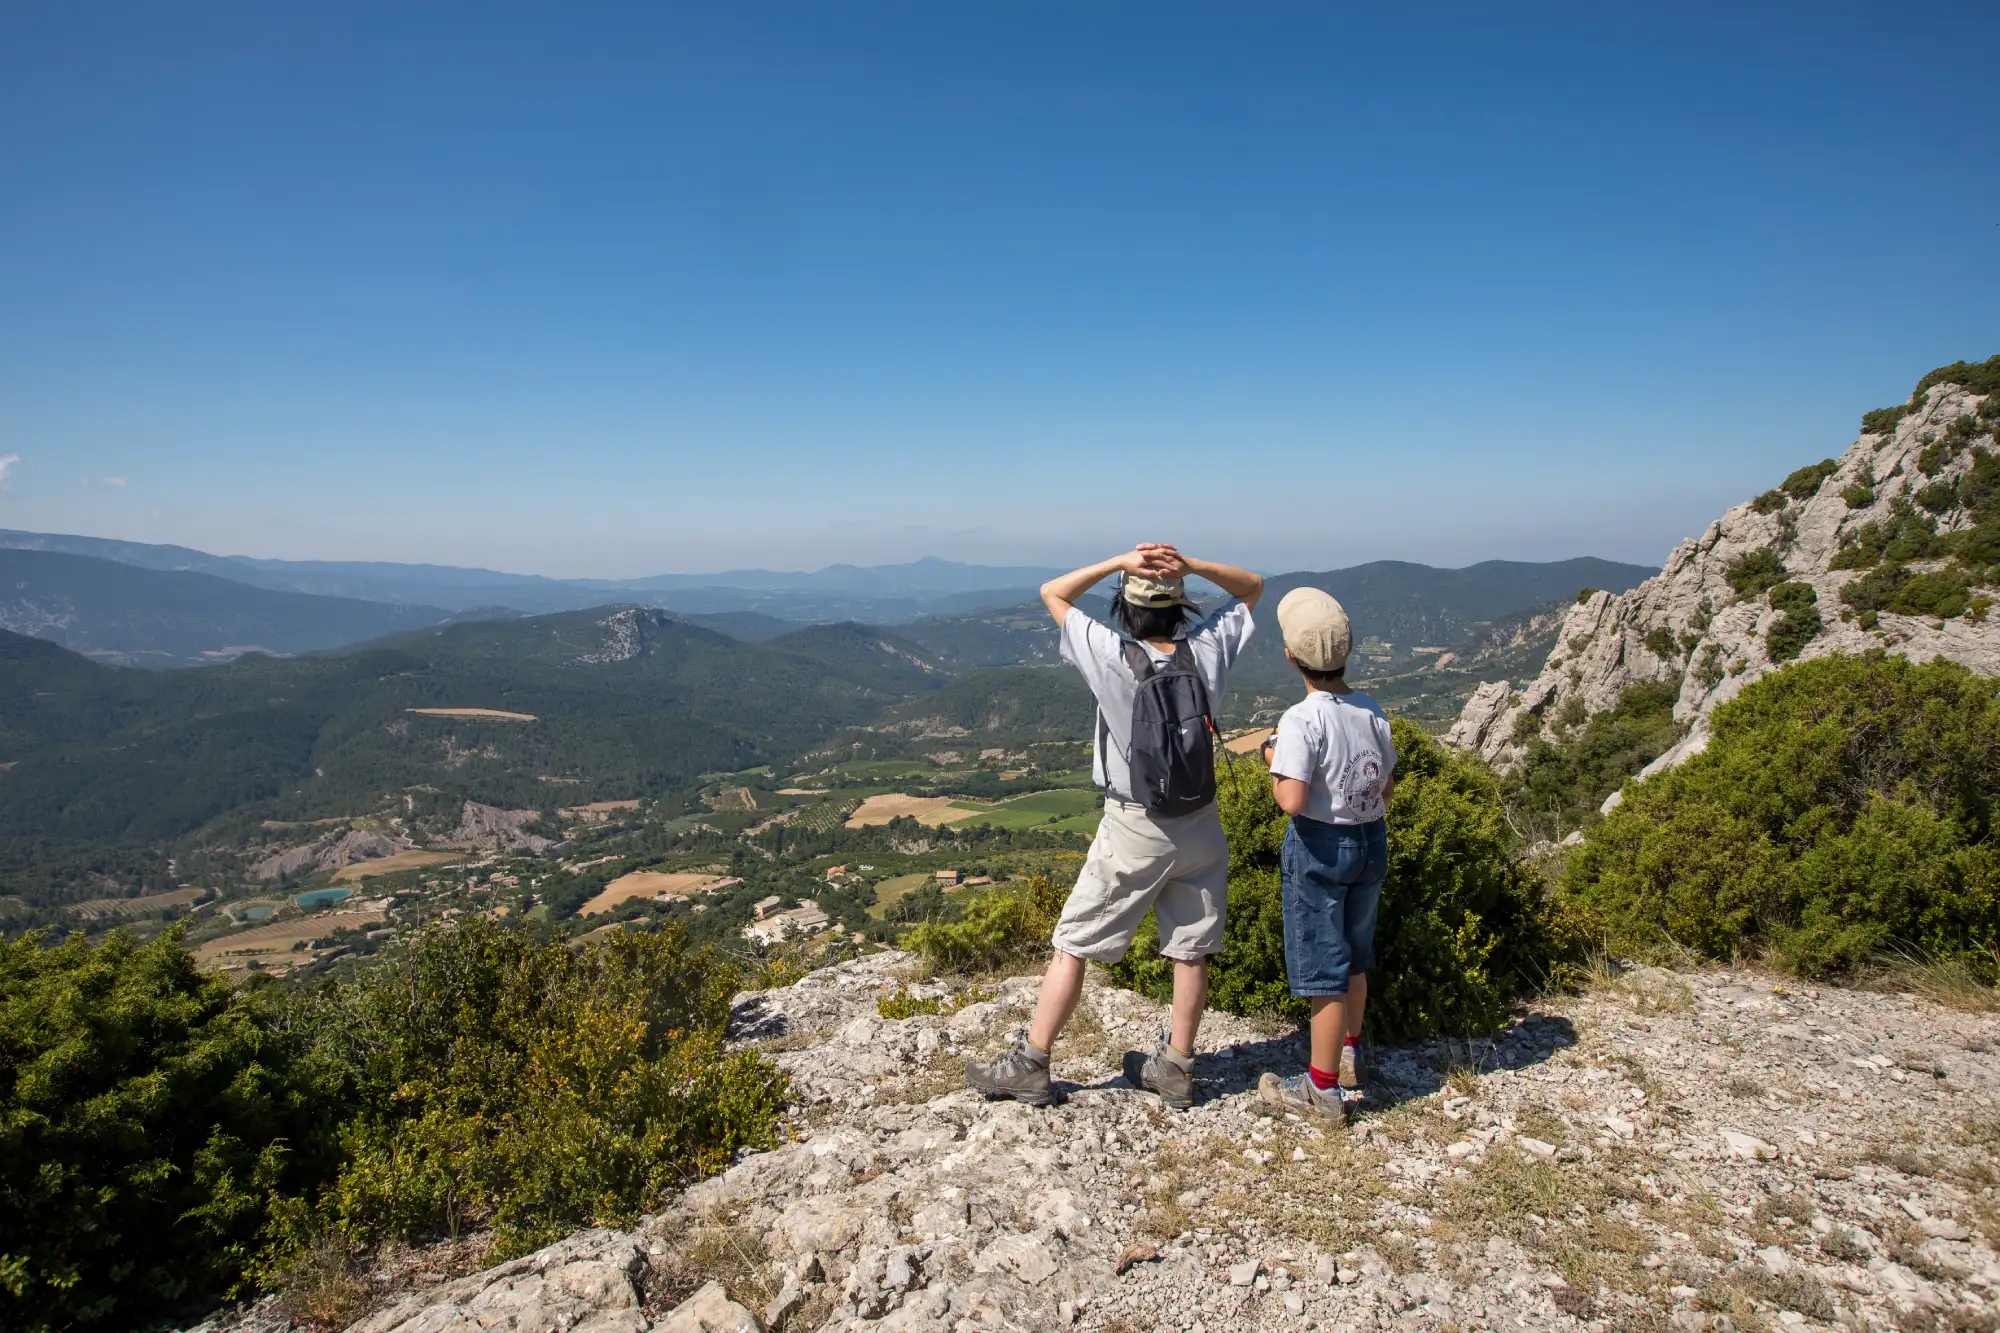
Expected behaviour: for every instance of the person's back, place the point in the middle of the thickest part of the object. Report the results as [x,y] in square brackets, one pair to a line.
[1333,764]
[1157,678]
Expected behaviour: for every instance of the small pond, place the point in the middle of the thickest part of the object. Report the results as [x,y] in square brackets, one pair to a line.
[320,896]
[256,913]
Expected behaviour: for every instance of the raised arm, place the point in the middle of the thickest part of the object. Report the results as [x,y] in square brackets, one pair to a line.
[1059,594]
[1238,583]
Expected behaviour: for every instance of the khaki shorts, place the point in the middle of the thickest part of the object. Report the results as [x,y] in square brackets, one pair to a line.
[1177,866]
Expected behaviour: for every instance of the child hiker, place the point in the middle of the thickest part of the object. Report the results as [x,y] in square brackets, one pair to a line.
[1332,770]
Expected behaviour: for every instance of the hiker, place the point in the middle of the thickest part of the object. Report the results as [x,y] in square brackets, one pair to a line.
[1333,769]
[1157,673]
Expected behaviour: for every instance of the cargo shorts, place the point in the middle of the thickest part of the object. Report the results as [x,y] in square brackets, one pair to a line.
[1178,866]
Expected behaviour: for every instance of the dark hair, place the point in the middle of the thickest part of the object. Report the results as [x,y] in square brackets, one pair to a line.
[1325,679]
[1148,622]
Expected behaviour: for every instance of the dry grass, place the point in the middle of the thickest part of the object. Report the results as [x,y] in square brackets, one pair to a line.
[390,865]
[644,884]
[273,943]
[1949,982]
[712,1248]
[323,1288]
[1642,990]
[930,811]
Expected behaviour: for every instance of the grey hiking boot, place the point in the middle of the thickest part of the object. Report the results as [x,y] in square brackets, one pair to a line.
[1022,1073]
[1297,1093]
[1163,1071]
[1354,1066]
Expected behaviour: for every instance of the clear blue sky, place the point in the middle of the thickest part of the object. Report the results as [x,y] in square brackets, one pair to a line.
[621,289]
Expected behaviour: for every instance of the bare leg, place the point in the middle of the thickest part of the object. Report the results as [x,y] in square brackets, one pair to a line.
[1356,1006]
[1190,1000]
[1329,1016]
[1062,987]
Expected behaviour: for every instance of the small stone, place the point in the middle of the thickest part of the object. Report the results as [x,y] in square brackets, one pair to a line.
[1537,1147]
[1136,1254]
[1776,1262]
[1298,1154]
[1620,1126]
[709,1310]
[1295,1304]
[1347,1276]
[1066,1312]
[1325,1267]
[1245,1273]
[1460,1149]
[1748,1147]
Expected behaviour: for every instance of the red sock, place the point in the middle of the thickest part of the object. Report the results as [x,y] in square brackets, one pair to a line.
[1323,1081]
[1354,1041]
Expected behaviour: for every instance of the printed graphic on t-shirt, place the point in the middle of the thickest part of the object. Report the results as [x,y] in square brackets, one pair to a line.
[1361,781]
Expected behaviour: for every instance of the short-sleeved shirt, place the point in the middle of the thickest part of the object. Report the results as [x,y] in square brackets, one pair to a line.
[1093,648]
[1339,746]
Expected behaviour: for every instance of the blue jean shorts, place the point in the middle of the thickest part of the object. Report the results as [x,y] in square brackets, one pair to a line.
[1332,885]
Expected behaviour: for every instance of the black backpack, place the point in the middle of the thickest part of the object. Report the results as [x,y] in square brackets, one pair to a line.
[1173,751]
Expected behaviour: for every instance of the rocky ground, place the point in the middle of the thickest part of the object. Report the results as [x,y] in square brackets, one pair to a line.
[1703,1150]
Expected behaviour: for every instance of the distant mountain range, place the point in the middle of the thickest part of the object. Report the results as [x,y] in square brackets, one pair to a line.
[880,593]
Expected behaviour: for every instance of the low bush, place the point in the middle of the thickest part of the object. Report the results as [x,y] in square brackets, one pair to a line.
[1804,483]
[1755,572]
[146,1110]
[1559,784]
[1843,808]
[534,1088]
[1464,928]
[1005,925]
[1798,620]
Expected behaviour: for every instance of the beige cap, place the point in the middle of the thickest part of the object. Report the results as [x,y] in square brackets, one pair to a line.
[1315,628]
[1144,590]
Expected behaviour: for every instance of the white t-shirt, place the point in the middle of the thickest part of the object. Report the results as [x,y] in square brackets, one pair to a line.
[1339,746]
[1093,648]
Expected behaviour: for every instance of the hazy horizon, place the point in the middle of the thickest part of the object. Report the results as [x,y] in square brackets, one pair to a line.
[592,292]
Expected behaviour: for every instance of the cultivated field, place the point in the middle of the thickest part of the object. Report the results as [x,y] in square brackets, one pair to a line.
[1249,742]
[597,810]
[890,891]
[272,944]
[646,884]
[494,714]
[389,865]
[927,810]
[131,909]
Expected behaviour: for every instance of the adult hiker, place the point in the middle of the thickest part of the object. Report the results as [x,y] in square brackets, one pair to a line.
[1158,674]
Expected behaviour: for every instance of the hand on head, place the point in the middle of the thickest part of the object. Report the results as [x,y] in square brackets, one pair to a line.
[1160,560]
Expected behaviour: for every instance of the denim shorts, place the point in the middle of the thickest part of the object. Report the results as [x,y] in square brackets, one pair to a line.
[1332,884]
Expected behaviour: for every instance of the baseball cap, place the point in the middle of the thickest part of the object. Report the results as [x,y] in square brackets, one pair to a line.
[1315,628]
[1145,590]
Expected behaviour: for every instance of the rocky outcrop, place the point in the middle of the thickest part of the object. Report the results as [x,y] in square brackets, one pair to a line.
[1701,625]
[330,853]
[485,828]
[1816,1158]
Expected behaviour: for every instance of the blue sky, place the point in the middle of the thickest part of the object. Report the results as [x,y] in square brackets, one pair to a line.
[623,289]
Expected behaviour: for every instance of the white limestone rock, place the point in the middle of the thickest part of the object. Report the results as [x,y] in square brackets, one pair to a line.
[1718,643]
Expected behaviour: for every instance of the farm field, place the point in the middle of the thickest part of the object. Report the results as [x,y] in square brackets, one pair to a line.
[646,884]
[1073,811]
[927,810]
[389,865]
[1249,742]
[131,909]
[890,891]
[272,945]
[496,714]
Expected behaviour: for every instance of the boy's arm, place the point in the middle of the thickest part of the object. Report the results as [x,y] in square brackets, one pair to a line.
[1291,795]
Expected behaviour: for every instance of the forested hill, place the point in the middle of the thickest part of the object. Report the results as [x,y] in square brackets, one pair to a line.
[123,614]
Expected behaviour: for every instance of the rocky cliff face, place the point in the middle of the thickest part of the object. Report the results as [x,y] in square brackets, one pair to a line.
[1881,548]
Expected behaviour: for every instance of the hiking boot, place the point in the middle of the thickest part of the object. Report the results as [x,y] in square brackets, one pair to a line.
[1021,1073]
[1163,1071]
[1354,1066]
[1297,1093]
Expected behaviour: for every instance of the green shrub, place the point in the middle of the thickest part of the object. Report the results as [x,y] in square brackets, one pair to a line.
[1904,534]
[1559,784]
[1005,925]
[1798,621]
[1858,496]
[1770,502]
[1464,928]
[1755,572]
[146,1110]
[1941,593]
[1938,497]
[536,1088]
[1843,807]
[1585,594]
[1804,483]
[1660,642]
[1981,377]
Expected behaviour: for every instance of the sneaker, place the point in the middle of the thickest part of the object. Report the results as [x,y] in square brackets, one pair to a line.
[1161,1071]
[1354,1066]
[1297,1093]
[1021,1073]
